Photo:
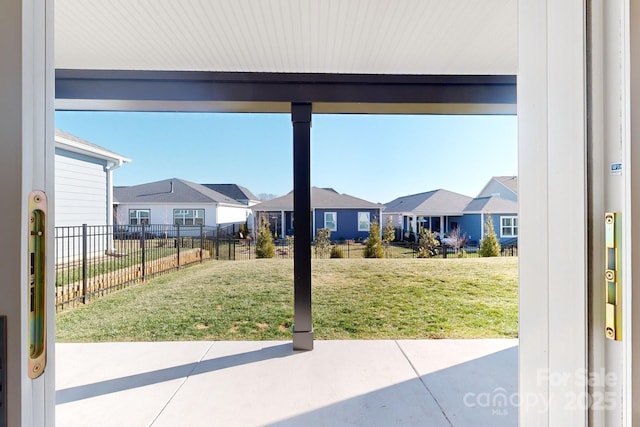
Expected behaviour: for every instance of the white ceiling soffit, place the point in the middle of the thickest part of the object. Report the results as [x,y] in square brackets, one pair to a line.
[292,36]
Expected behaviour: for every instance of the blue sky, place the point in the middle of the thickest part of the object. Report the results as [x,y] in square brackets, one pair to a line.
[374,157]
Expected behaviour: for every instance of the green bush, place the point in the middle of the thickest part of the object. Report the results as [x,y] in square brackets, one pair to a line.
[489,245]
[373,247]
[427,244]
[336,252]
[264,242]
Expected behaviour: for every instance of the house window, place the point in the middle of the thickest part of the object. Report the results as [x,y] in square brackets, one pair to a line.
[139,216]
[508,226]
[188,216]
[331,221]
[364,221]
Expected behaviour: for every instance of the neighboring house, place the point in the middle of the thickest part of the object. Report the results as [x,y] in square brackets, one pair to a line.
[83,193]
[439,211]
[504,213]
[503,186]
[177,201]
[347,217]
[442,211]
[83,181]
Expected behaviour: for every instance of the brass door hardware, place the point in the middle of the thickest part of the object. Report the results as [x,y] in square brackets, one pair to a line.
[613,276]
[37,283]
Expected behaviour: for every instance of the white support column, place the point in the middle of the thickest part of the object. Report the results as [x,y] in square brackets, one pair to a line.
[313,222]
[26,150]
[481,226]
[282,225]
[414,222]
[552,242]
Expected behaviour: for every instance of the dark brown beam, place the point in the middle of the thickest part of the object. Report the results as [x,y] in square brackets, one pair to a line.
[302,324]
[185,86]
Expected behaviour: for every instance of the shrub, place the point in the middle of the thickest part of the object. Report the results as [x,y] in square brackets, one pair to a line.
[427,244]
[373,247]
[322,244]
[489,245]
[264,242]
[389,232]
[336,252]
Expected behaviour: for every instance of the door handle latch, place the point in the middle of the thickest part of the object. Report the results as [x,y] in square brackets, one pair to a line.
[613,276]
[37,298]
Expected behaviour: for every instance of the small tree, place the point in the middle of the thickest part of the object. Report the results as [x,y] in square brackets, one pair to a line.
[457,239]
[322,245]
[427,244]
[373,248]
[388,232]
[489,245]
[264,241]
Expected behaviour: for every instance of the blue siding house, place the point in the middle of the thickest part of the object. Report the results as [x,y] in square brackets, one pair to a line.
[439,211]
[442,211]
[347,217]
[504,213]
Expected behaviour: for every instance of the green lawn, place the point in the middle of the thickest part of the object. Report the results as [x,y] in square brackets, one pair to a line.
[352,299]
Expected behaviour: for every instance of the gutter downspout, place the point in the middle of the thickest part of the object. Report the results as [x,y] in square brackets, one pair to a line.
[109,170]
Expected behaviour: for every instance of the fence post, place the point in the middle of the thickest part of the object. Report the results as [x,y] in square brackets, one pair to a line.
[178,244]
[201,243]
[84,263]
[144,252]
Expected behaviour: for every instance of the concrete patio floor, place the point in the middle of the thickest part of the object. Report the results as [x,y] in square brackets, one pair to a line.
[265,383]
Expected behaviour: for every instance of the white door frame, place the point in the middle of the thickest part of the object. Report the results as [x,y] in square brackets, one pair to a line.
[553,212]
[553,203]
[26,153]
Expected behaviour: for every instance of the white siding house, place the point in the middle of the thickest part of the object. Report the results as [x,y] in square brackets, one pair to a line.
[83,195]
[83,181]
[177,201]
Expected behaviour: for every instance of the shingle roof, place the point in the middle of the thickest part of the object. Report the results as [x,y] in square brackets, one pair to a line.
[437,202]
[491,204]
[62,137]
[235,191]
[320,198]
[160,192]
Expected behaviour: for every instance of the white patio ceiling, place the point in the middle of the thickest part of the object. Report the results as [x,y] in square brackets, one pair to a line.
[423,37]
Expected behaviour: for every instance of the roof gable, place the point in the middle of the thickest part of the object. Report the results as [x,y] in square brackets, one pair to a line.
[508,183]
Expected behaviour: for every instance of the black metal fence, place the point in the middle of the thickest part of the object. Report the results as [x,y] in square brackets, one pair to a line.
[94,260]
[352,249]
